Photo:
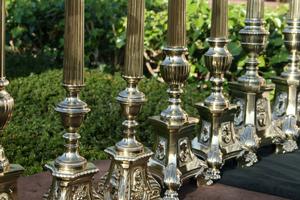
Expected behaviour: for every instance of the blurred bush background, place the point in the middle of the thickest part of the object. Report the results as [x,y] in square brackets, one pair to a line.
[34,60]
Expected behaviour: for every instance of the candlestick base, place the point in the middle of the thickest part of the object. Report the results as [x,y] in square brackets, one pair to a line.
[8,182]
[286,112]
[128,178]
[70,185]
[174,162]
[217,141]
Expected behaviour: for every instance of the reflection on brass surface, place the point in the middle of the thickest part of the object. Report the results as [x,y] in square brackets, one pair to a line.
[72,174]
[174,161]
[217,140]
[9,173]
[285,108]
[251,92]
[128,176]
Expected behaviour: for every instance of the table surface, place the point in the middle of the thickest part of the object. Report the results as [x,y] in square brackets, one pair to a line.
[33,187]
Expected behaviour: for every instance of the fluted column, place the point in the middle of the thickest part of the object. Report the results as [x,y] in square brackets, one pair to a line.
[176,23]
[255,9]
[74,42]
[219,23]
[135,39]
[2,40]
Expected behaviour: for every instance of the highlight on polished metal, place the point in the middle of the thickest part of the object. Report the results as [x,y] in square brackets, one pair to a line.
[251,92]
[217,140]
[71,173]
[286,107]
[128,176]
[9,173]
[174,161]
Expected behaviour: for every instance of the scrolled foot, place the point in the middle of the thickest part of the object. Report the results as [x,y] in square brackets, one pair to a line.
[286,147]
[171,195]
[248,159]
[208,177]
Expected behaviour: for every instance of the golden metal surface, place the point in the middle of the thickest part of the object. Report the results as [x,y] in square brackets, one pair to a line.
[174,161]
[217,140]
[72,174]
[251,92]
[128,177]
[9,173]
[286,106]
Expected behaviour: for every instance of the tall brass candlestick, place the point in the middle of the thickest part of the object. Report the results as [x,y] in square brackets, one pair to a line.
[128,176]
[174,160]
[286,107]
[216,141]
[72,174]
[253,120]
[9,173]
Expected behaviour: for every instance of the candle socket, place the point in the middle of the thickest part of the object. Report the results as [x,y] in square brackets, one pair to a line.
[286,106]
[252,121]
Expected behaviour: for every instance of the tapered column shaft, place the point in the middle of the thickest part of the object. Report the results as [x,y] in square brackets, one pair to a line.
[74,42]
[135,39]
[177,23]
[219,23]
[294,13]
[255,9]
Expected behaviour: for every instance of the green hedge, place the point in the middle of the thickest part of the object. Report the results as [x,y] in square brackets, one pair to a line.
[37,27]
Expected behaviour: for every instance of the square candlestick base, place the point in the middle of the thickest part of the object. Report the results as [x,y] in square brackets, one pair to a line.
[72,185]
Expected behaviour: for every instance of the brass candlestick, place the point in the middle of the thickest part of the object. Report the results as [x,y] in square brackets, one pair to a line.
[286,106]
[9,173]
[72,174]
[217,140]
[174,161]
[253,118]
[128,176]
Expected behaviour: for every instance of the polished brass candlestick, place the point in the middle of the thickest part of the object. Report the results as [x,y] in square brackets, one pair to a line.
[174,161]
[9,173]
[286,106]
[253,118]
[72,174]
[216,141]
[128,176]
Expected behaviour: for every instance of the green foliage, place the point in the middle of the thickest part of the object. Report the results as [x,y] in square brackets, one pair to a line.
[37,27]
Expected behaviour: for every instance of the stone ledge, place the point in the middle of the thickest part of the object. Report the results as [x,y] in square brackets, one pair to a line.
[33,187]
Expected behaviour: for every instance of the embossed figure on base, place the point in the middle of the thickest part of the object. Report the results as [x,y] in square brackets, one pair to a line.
[251,92]
[174,160]
[128,177]
[72,174]
[217,140]
[285,108]
[9,173]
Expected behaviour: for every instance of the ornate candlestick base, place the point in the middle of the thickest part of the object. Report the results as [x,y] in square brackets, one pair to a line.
[174,160]
[286,101]
[8,182]
[128,178]
[286,107]
[71,185]
[216,141]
